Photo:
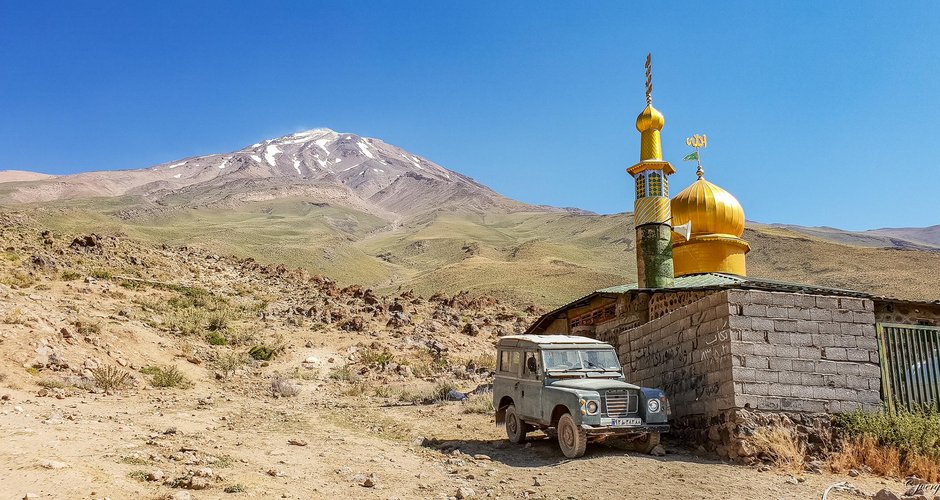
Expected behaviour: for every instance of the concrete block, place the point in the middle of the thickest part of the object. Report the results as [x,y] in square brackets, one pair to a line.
[857,382]
[777,312]
[742,400]
[769,404]
[852,328]
[785,325]
[778,389]
[869,396]
[843,316]
[781,364]
[754,336]
[873,357]
[754,310]
[847,341]
[744,374]
[807,326]
[768,376]
[812,379]
[740,322]
[823,340]
[810,353]
[737,360]
[756,389]
[834,353]
[804,365]
[846,394]
[824,392]
[869,305]
[759,362]
[817,314]
[865,342]
[784,299]
[803,405]
[865,317]
[764,350]
[799,313]
[829,328]
[762,324]
[787,351]
[852,303]
[836,379]
[825,302]
[800,339]
[791,378]
[827,367]
[806,301]
[854,354]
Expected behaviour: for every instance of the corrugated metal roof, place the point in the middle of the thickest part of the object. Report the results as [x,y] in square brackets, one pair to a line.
[694,281]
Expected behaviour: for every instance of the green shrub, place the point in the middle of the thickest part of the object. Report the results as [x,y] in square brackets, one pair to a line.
[169,376]
[69,275]
[235,488]
[372,356]
[228,362]
[87,327]
[262,353]
[101,274]
[913,432]
[109,378]
[216,338]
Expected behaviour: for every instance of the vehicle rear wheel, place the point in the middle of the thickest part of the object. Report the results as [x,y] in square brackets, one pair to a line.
[571,438]
[515,427]
[646,443]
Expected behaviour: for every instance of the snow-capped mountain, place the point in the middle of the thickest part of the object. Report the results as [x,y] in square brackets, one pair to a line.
[320,164]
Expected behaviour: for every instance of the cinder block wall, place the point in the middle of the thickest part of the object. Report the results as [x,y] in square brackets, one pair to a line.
[686,352]
[806,353]
[770,351]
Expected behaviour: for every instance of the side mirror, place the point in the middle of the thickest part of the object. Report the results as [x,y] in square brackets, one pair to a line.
[532,365]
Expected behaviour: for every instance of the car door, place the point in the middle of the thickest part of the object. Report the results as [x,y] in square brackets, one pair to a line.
[530,386]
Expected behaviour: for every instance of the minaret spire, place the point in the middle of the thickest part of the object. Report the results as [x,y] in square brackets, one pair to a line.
[651,212]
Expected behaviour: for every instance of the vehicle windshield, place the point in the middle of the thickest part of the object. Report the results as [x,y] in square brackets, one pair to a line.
[580,359]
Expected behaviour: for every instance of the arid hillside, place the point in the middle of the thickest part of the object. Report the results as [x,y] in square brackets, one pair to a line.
[154,371]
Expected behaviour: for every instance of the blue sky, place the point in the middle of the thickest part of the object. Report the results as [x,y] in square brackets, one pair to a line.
[817,113]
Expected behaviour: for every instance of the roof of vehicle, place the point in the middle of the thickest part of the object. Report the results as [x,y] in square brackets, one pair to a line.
[553,340]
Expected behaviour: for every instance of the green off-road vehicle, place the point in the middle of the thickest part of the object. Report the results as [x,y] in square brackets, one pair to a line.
[573,387]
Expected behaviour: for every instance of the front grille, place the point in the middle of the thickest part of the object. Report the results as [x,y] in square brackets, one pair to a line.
[620,403]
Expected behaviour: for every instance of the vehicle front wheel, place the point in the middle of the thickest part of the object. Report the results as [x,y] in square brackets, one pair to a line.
[571,438]
[646,443]
[515,427]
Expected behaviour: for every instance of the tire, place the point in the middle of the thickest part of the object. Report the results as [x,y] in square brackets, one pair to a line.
[646,443]
[515,428]
[571,437]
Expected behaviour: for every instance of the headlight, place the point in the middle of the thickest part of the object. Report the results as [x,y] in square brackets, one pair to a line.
[653,405]
[592,407]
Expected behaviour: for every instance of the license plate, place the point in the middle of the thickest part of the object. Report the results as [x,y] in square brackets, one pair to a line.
[626,422]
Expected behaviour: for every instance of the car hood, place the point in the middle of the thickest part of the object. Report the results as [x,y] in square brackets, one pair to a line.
[593,384]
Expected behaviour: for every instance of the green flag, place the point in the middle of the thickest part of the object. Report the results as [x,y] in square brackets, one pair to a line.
[693,156]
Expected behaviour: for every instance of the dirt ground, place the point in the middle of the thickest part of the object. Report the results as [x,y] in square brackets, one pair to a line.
[100,446]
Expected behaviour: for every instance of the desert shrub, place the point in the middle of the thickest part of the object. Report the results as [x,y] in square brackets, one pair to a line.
[110,378]
[782,445]
[87,327]
[216,338]
[15,317]
[69,275]
[483,361]
[101,274]
[20,279]
[169,376]
[427,394]
[480,403]
[52,383]
[892,444]
[218,320]
[343,374]
[140,475]
[188,321]
[228,362]
[262,352]
[370,356]
[235,488]
[281,387]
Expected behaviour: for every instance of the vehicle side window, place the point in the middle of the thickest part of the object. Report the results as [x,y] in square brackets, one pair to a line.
[530,369]
[509,361]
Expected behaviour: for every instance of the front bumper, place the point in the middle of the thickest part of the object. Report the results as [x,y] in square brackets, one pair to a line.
[597,430]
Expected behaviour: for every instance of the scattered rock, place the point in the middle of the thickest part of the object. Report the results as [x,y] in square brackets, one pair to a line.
[886,494]
[54,464]
[853,473]
[465,493]
[297,442]
[536,482]
[658,451]
[369,482]
[155,475]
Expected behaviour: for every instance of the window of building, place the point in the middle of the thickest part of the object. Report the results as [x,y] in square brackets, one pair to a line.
[640,186]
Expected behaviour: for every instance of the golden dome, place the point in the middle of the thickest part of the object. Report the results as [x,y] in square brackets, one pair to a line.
[650,119]
[710,209]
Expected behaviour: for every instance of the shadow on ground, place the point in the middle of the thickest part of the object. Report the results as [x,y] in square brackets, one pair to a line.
[542,451]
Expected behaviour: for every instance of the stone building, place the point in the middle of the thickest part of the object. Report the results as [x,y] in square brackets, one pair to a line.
[721,343]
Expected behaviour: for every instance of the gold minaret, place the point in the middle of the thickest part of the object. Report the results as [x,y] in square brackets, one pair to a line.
[651,210]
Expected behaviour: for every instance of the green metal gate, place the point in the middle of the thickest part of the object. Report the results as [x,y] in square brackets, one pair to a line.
[910,365]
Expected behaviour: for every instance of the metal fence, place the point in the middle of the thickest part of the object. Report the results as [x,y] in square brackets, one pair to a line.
[910,365]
